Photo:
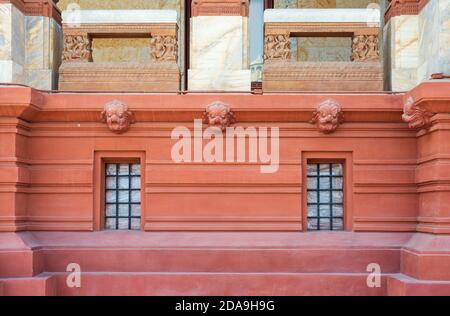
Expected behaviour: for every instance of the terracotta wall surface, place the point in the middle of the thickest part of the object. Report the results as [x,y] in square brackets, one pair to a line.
[53,145]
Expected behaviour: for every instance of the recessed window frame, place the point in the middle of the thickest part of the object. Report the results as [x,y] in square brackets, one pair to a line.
[101,158]
[346,159]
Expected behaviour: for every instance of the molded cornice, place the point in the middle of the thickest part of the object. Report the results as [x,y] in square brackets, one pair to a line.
[46,8]
[404,7]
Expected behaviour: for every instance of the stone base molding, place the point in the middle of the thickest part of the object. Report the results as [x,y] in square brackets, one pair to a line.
[105,76]
[322,76]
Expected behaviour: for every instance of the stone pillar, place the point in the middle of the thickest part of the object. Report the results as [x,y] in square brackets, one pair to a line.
[12,44]
[416,42]
[426,109]
[401,45]
[219,46]
[30,43]
[434,39]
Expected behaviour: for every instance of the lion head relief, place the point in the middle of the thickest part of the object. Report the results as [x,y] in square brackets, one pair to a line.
[117,116]
[328,116]
[218,114]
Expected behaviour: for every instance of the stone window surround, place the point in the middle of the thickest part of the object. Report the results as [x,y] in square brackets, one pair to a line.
[342,157]
[101,158]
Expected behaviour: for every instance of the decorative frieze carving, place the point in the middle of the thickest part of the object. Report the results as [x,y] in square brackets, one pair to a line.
[404,7]
[277,47]
[117,116]
[218,114]
[220,8]
[164,48]
[365,48]
[77,48]
[328,116]
[415,116]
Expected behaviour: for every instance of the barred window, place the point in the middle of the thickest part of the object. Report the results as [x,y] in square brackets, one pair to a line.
[325,191]
[123,196]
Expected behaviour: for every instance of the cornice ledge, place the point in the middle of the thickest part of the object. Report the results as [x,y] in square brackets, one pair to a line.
[20,102]
[404,7]
[433,96]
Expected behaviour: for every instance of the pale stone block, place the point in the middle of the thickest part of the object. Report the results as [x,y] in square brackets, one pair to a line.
[5,31]
[219,80]
[42,79]
[406,41]
[12,34]
[434,39]
[218,42]
[404,79]
[219,48]
[35,39]
[119,16]
[12,72]
[371,15]
[401,56]
[18,36]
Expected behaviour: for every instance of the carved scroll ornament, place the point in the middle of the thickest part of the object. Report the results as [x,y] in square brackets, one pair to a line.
[117,116]
[77,48]
[328,116]
[365,48]
[164,48]
[277,47]
[218,114]
[415,116]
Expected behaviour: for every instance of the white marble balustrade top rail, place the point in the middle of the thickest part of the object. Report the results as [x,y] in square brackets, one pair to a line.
[119,16]
[342,15]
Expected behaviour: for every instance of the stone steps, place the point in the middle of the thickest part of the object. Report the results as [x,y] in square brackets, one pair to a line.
[196,284]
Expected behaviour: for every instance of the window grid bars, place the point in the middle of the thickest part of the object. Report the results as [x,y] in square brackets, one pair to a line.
[331,189]
[117,189]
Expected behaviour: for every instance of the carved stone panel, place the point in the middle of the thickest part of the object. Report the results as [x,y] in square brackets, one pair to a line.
[277,47]
[163,48]
[117,116]
[218,114]
[328,116]
[365,48]
[77,48]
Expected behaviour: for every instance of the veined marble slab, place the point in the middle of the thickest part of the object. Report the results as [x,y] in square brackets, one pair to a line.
[219,80]
[369,15]
[5,31]
[119,16]
[218,42]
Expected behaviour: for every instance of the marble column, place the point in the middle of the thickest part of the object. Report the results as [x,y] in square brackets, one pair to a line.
[219,46]
[12,44]
[434,39]
[401,49]
[30,48]
[417,43]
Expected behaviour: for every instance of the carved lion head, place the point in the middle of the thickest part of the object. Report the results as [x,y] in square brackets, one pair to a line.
[328,116]
[415,116]
[218,114]
[117,116]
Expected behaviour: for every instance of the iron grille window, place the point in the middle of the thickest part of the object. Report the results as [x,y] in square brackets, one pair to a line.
[325,183]
[123,196]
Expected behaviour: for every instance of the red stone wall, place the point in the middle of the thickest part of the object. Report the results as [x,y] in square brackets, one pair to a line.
[53,146]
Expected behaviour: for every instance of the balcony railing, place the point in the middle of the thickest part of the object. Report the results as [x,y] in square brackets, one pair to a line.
[79,72]
[362,73]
